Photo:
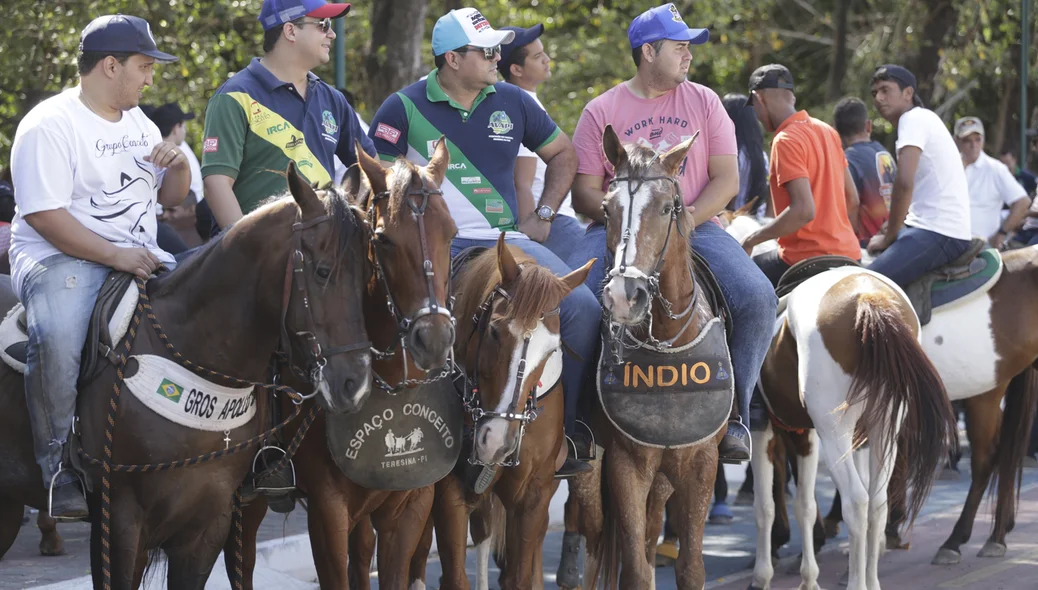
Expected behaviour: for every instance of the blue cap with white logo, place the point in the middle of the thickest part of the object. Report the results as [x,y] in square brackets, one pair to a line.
[119,33]
[663,22]
[278,12]
[466,26]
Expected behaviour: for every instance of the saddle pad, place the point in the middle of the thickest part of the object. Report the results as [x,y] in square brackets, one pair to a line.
[551,375]
[985,271]
[399,442]
[14,339]
[670,399]
[182,397]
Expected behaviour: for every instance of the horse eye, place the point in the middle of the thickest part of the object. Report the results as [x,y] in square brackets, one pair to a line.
[494,334]
[323,272]
[668,209]
[382,238]
[605,211]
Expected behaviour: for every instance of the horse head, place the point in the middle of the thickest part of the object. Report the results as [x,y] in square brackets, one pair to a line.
[647,223]
[322,297]
[512,305]
[410,248]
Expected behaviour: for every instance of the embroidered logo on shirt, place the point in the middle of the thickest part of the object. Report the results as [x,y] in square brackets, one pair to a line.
[494,206]
[390,134]
[500,123]
[210,145]
[482,191]
[471,179]
[330,127]
[294,142]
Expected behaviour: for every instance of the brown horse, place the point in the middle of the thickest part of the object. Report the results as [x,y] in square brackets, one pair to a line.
[410,250]
[511,355]
[618,506]
[225,308]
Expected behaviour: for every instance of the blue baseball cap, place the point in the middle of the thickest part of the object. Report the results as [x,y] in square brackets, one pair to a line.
[663,22]
[523,37]
[466,26]
[278,12]
[898,73]
[119,33]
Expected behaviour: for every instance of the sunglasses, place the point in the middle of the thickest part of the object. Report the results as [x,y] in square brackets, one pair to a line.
[324,23]
[488,52]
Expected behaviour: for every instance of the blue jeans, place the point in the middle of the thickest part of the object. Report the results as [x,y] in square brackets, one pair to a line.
[579,317]
[749,294]
[916,252]
[59,294]
[565,233]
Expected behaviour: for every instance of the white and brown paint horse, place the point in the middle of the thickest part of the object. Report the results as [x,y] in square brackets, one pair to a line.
[985,348]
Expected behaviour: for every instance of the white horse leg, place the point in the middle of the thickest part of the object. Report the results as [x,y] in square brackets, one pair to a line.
[763,506]
[882,467]
[806,509]
[482,564]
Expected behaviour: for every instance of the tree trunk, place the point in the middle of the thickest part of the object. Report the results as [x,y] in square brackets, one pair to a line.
[394,57]
[838,63]
[941,18]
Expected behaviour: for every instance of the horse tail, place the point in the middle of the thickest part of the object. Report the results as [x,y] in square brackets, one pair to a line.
[895,378]
[1021,399]
[608,550]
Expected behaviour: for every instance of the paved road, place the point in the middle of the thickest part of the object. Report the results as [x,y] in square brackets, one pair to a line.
[285,563]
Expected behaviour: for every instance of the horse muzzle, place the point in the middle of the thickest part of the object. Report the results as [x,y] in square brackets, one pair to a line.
[346,383]
[431,339]
[495,440]
[626,299]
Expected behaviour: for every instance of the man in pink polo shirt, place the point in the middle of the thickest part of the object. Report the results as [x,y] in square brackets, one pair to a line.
[659,107]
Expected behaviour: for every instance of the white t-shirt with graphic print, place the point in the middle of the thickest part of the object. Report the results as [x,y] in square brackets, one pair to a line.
[67,157]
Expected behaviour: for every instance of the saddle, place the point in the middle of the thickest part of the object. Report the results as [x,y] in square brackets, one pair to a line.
[109,321]
[675,397]
[805,269]
[966,277]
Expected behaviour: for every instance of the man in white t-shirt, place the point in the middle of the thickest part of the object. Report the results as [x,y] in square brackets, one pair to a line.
[89,169]
[526,64]
[991,186]
[929,223]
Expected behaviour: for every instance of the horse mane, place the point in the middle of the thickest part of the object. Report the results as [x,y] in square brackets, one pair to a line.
[535,285]
[336,205]
[404,173]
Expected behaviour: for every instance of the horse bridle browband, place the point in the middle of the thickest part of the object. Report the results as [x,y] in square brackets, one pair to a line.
[620,332]
[470,396]
[406,323]
[294,275]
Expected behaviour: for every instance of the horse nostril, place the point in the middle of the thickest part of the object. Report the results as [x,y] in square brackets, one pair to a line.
[485,437]
[351,385]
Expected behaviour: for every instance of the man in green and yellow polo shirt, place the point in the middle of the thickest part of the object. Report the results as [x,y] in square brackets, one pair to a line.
[275,111]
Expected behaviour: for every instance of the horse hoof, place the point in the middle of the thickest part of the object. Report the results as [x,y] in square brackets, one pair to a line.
[832,528]
[992,549]
[753,587]
[744,498]
[895,542]
[52,549]
[946,557]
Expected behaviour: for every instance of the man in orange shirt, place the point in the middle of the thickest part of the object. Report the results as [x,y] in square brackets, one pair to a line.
[814,194]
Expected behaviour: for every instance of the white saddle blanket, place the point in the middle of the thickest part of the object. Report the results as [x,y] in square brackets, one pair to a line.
[11,333]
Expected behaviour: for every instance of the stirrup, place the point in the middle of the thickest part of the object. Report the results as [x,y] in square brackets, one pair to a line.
[592,443]
[50,489]
[260,476]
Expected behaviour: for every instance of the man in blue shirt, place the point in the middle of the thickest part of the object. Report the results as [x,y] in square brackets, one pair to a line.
[485,122]
[276,111]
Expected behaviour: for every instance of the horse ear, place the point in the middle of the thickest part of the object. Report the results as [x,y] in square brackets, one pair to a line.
[577,277]
[506,262]
[302,192]
[440,160]
[356,187]
[614,151]
[672,160]
[372,169]
[748,208]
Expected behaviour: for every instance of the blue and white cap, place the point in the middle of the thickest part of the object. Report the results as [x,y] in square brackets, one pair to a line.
[275,13]
[663,22]
[466,26]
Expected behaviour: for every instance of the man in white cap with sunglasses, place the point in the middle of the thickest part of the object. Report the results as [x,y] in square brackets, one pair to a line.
[485,122]
[275,111]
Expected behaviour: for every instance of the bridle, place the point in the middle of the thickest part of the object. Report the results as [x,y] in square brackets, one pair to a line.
[470,396]
[620,335]
[295,271]
[405,324]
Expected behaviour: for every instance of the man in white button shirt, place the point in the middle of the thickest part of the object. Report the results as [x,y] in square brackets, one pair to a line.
[991,185]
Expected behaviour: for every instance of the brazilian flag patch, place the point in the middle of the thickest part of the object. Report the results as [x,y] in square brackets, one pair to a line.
[170,390]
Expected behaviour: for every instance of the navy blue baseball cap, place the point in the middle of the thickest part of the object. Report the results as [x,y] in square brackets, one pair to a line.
[663,22]
[523,37]
[119,33]
[278,12]
[898,73]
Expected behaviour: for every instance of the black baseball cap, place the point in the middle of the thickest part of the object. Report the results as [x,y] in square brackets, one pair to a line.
[168,116]
[120,33]
[769,76]
[523,37]
[898,73]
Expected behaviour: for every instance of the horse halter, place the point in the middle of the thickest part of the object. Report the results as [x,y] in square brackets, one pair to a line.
[405,324]
[471,398]
[620,332]
[294,275]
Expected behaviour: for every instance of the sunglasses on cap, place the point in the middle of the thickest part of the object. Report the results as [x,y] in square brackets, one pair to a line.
[325,24]
[488,52]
